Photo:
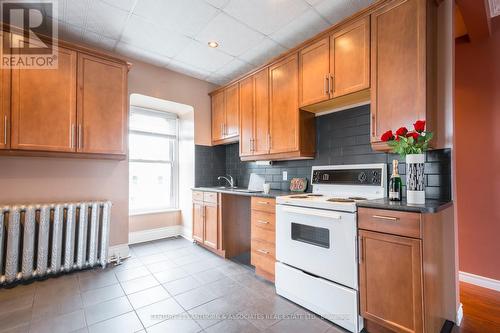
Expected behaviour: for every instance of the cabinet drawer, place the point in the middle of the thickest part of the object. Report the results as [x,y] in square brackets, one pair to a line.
[263,256]
[259,233]
[210,197]
[197,196]
[390,222]
[264,204]
[264,220]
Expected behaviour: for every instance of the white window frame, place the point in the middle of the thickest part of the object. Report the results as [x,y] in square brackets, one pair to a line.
[174,164]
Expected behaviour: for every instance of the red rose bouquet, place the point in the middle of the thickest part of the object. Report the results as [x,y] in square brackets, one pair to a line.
[404,142]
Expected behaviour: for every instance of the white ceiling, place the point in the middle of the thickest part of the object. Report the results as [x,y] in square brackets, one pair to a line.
[174,33]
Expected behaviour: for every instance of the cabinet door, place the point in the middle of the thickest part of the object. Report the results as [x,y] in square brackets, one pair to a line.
[211,225]
[246,116]
[398,66]
[4,108]
[283,106]
[198,224]
[102,106]
[218,116]
[391,281]
[350,58]
[314,68]
[261,113]
[232,109]
[44,106]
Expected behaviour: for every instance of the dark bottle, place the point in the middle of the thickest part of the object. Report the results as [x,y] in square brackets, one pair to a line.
[395,183]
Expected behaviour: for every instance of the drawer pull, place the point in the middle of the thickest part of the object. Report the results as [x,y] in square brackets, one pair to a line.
[263,251]
[263,202]
[262,222]
[389,218]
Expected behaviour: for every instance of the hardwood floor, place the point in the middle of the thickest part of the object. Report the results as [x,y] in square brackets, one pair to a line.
[481,310]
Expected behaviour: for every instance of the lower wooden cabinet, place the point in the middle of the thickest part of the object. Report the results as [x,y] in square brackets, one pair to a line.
[407,270]
[263,235]
[206,219]
[391,281]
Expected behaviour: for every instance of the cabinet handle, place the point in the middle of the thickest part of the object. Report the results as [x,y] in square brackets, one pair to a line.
[269,140]
[389,218]
[252,145]
[80,136]
[262,222]
[327,85]
[5,130]
[72,135]
[332,84]
[263,202]
[360,249]
[262,251]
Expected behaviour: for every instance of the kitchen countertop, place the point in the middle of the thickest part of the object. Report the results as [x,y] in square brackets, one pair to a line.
[272,194]
[430,206]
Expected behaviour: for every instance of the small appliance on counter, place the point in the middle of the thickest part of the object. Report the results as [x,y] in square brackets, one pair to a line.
[316,241]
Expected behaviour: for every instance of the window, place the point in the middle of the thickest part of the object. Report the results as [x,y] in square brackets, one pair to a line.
[153,143]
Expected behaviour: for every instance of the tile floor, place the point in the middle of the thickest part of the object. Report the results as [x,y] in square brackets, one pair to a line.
[166,286]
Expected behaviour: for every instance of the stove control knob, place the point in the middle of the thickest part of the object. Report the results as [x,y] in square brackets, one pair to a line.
[362,177]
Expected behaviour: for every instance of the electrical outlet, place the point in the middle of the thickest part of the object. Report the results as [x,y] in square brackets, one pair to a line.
[285,175]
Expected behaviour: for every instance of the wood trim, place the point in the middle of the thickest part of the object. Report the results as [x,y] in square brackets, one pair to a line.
[289,156]
[58,154]
[5,110]
[362,13]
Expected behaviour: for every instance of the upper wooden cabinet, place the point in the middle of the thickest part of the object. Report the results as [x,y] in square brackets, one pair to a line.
[80,107]
[254,114]
[292,131]
[336,65]
[314,71]
[102,106]
[4,108]
[218,115]
[402,58]
[225,115]
[44,106]
[350,58]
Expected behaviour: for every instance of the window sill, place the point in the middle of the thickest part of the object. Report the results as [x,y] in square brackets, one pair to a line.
[154,211]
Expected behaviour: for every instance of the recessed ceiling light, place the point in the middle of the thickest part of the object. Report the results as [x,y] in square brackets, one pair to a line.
[213,44]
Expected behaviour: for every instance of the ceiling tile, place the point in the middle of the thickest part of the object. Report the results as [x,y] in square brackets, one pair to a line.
[141,54]
[262,52]
[234,69]
[217,79]
[218,3]
[144,34]
[264,15]
[188,70]
[200,55]
[233,37]
[126,5]
[186,17]
[99,41]
[105,19]
[73,12]
[336,10]
[69,32]
[303,27]
[313,2]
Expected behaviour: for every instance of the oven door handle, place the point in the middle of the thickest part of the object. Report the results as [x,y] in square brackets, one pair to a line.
[312,212]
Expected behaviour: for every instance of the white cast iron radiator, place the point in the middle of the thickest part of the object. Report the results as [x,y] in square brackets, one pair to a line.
[48,239]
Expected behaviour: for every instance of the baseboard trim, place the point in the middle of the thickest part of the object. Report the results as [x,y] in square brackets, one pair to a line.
[480,281]
[121,250]
[154,234]
[187,234]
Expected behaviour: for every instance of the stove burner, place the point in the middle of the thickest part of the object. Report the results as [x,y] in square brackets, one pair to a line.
[340,200]
[299,197]
[315,195]
[357,198]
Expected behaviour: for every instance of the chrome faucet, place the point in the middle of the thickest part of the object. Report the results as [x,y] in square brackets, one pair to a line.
[230,180]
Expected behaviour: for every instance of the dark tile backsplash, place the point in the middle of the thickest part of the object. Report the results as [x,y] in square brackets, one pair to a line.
[342,138]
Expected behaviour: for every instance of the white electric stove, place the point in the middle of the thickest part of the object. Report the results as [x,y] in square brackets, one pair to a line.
[316,241]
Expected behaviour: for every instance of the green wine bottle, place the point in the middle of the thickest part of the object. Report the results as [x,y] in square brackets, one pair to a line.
[395,184]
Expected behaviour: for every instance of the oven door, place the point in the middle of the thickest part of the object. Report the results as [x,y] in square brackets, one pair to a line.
[319,242]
